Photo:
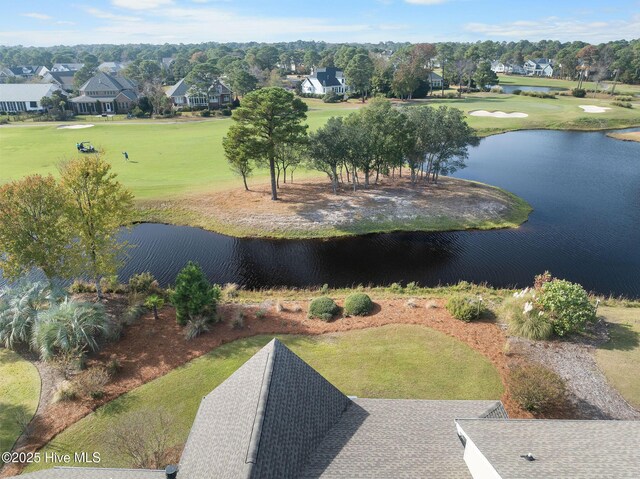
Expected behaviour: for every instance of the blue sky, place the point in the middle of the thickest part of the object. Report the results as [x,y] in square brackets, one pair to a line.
[69,22]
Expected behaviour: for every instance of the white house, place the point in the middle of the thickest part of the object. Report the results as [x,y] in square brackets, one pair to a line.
[325,80]
[435,80]
[498,67]
[538,67]
[25,97]
[66,67]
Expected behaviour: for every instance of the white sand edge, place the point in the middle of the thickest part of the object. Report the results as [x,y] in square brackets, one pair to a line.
[498,114]
[74,127]
[594,108]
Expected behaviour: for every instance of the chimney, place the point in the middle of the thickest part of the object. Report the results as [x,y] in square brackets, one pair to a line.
[171,471]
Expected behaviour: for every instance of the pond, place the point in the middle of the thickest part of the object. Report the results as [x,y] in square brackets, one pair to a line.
[584,187]
[511,88]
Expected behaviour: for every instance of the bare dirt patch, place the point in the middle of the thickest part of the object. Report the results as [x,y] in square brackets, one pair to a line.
[149,349]
[310,209]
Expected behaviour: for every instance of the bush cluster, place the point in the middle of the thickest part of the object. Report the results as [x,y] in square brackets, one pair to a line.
[466,308]
[567,305]
[579,92]
[143,283]
[358,304]
[536,388]
[623,104]
[538,94]
[526,321]
[331,97]
[323,308]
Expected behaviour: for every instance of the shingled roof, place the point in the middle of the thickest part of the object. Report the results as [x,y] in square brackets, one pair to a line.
[263,421]
[562,449]
[94,473]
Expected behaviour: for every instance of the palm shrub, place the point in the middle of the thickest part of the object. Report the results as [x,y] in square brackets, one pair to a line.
[142,283]
[154,302]
[466,308]
[567,305]
[358,304]
[193,295]
[323,308]
[21,306]
[70,328]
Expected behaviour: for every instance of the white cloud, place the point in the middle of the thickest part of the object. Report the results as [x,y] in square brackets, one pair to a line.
[65,22]
[555,28]
[141,4]
[104,15]
[37,16]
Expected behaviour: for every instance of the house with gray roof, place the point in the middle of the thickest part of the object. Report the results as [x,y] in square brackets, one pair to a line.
[63,79]
[277,418]
[113,67]
[325,80]
[66,67]
[182,94]
[105,93]
[24,97]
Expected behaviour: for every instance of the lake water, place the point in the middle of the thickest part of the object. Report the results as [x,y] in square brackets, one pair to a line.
[584,187]
[546,89]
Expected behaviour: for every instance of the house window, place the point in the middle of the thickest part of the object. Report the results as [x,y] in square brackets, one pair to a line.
[22,106]
[33,104]
[3,106]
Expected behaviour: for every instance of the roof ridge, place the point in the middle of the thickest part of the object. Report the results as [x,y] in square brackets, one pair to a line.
[253,447]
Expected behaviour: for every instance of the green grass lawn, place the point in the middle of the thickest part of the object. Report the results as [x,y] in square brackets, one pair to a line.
[19,394]
[171,159]
[399,361]
[619,358]
[621,88]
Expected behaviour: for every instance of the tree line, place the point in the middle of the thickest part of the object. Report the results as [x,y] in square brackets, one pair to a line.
[379,140]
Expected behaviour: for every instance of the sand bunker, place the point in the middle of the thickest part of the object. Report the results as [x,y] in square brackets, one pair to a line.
[74,127]
[594,109]
[498,114]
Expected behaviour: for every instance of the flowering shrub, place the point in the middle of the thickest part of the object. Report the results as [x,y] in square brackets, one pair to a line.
[525,319]
[567,305]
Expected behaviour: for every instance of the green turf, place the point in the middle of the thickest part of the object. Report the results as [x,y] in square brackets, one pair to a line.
[19,394]
[619,358]
[172,159]
[399,361]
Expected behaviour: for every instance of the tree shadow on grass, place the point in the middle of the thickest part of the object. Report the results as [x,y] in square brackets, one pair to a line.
[622,338]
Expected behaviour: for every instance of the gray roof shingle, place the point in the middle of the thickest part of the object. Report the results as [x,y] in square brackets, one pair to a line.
[562,448]
[263,421]
[396,438]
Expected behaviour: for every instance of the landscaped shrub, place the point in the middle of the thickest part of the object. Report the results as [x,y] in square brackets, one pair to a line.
[79,286]
[396,288]
[154,302]
[331,97]
[194,296]
[411,287]
[230,290]
[195,327]
[358,304]
[466,308]
[536,388]
[496,89]
[133,313]
[623,104]
[517,91]
[624,98]
[567,305]
[92,382]
[323,308]
[142,283]
[579,92]
[66,391]
[110,284]
[527,321]
[538,94]
[69,328]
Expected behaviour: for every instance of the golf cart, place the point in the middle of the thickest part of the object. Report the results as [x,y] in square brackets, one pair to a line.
[85,147]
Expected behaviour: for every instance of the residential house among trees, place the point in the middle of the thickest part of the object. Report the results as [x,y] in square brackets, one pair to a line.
[325,80]
[112,68]
[539,67]
[104,93]
[217,96]
[66,67]
[63,79]
[278,418]
[22,72]
[24,97]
